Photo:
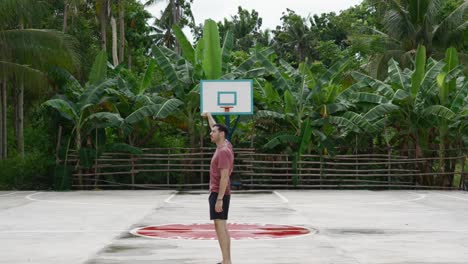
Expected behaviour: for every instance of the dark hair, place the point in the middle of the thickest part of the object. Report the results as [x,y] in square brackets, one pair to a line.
[222,128]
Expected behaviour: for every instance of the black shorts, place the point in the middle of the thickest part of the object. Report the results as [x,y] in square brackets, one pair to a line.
[224,214]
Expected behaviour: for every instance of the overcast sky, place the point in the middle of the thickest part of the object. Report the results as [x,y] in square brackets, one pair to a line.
[269,10]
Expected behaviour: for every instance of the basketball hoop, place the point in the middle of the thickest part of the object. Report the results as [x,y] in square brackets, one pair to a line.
[226,108]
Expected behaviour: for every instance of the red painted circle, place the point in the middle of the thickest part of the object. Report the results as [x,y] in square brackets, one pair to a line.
[207,231]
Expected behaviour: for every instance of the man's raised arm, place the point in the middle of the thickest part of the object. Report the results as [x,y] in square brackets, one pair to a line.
[210,118]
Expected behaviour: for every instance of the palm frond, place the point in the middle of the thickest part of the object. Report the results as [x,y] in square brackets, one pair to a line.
[39,48]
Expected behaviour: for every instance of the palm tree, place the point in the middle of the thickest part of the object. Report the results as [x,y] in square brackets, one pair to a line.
[408,24]
[177,12]
[25,55]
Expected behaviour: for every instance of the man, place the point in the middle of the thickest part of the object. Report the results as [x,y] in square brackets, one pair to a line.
[221,167]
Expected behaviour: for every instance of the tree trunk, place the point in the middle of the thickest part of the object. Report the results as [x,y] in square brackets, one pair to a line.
[129,59]
[20,120]
[175,21]
[103,20]
[115,59]
[1,121]
[65,17]
[3,128]
[122,30]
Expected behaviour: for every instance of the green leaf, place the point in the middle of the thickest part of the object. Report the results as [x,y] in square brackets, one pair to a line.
[280,81]
[227,47]
[376,84]
[64,108]
[343,122]
[401,95]
[156,111]
[99,69]
[419,71]
[306,134]
[146,82]
[370,98]
[289,103]
[212,51]
[187,49]
[379,111]
[166,66]
[359,120]
[92,94]
[102,120]
[282,139]
[268,114]
[439,111]
[443,89]
[396,75]
[451,62]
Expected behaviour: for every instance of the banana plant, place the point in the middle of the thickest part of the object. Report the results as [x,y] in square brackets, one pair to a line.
[412,98]
[303,98]
[94,109]
[207,60]
[449,109]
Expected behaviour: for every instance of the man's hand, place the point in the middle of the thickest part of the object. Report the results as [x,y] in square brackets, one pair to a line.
[219,206]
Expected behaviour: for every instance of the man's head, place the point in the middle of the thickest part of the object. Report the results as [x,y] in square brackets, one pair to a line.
[218,133]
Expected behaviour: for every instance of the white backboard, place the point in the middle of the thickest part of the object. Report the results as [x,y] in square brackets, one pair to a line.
[219,96]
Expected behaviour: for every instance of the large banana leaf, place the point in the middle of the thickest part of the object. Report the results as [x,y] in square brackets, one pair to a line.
[360,121]
[99,69]
[379,111]
[334,71]
[370,98]
[420,70]
[156,111]
[451,62]
[439,111]
[212,56]
[401,95]
[102,120]
[268,114]
[64,108]
[93,94]
[461,97]
[396,75]
[306,134]
[280,81]
[376,84]
[282,139]
[344,122]
[166,66]
[290,105]
[146,82]
[226,50]
[187,49]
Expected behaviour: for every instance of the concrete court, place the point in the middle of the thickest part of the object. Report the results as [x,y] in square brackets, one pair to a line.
[349,227]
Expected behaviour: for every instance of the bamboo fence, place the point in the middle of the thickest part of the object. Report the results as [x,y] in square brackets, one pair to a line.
[183,168]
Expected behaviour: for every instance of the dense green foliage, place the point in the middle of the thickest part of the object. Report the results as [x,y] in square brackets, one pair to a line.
[379,75]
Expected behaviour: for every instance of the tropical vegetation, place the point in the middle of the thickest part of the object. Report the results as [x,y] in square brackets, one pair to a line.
[80,77]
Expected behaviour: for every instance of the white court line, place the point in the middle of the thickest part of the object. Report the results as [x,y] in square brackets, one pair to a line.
[420,197]
[451,196]
[60,231]
[30,197]
[8,194]
[168,200]
[284,199]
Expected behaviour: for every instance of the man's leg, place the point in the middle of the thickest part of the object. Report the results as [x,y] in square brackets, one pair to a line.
[224,240]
